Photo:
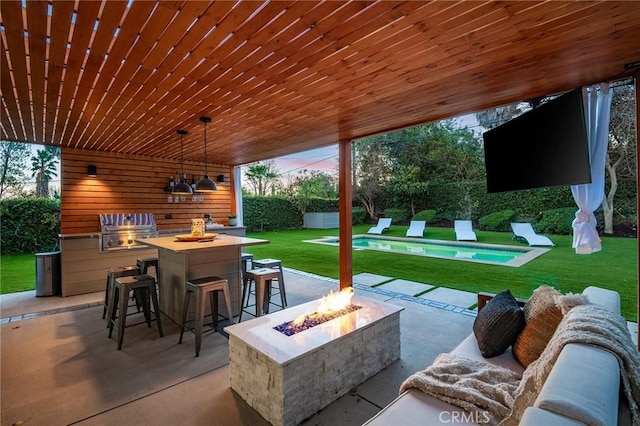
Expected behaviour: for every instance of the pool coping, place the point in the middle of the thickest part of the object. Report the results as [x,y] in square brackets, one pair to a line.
[529,253]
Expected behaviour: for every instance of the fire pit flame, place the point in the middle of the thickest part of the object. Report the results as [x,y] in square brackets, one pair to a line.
[335,301]
[331,306]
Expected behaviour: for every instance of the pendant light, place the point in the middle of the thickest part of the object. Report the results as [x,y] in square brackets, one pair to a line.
[182,187]
[205,184]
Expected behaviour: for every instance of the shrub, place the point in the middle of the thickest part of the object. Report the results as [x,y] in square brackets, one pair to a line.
[29,225]
[270,214]
[358,215]
[396,214]
[428,216]
[557,221]
[498,221]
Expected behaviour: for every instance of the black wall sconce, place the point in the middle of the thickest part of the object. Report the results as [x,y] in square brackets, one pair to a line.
[220,178]
[92,170]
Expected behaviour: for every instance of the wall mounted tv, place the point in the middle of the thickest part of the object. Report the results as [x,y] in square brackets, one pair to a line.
[546,146]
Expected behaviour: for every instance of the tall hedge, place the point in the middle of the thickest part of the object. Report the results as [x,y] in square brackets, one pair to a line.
[29,225]
[270,214]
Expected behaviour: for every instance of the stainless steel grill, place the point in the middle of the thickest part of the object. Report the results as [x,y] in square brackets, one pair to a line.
[119,231]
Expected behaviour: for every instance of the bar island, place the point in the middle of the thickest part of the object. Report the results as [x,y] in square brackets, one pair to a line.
[179,261]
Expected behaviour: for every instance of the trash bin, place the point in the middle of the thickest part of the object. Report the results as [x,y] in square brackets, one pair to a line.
[48,275]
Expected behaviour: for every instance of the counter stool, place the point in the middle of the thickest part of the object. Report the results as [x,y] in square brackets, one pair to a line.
[275,264]
[145,262]
[245,258]
[145,288]
[263,278]
[201,287]
[112,274]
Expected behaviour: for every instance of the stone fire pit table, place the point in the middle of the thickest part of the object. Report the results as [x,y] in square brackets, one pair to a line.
[289,378]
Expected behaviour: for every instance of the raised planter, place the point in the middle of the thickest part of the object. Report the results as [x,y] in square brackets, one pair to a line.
[325,220]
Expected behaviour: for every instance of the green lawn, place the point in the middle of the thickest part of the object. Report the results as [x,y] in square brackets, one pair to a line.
[614,267]
[17,273]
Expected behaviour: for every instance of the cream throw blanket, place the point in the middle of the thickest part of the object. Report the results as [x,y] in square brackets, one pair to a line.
[483,389]
[496,395]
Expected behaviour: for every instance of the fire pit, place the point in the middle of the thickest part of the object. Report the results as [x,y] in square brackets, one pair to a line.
[288,378]
[332,306]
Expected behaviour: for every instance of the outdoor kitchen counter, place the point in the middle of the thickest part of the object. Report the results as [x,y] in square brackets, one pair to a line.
[179,261]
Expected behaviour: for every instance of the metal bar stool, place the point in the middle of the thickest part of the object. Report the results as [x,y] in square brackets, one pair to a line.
[262,277]
[145,288]
[201,287]
[245,258]
[275,264]
[112,274]
[145,262]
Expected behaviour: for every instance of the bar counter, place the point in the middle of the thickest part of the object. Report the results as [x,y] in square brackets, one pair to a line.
[179,261]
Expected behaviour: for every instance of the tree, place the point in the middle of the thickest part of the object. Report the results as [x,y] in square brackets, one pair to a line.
[371,171]
[310,184]
[405,187]
[43,168]
[12,169]
[262,178]
[621,155]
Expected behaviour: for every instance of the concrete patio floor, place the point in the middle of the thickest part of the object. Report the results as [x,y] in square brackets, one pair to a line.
[204,398]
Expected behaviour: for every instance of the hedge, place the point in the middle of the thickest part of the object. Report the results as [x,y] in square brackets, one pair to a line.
[29,225]
[270,214]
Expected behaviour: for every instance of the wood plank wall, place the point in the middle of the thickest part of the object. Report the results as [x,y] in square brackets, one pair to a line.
[135,184]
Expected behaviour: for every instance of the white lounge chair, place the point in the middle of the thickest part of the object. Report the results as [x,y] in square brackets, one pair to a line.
[464,230]
[383,224]
[416,228]
[526,232]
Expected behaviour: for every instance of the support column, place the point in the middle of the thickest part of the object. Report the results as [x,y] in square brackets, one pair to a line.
[345,196]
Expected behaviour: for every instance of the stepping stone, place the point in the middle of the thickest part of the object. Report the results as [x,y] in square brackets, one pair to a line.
[405,287]
[366,278]
[453,297]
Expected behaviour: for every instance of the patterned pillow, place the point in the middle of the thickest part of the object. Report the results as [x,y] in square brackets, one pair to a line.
[542,317]
[498,324]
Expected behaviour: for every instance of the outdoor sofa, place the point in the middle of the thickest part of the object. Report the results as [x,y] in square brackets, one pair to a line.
[583,386]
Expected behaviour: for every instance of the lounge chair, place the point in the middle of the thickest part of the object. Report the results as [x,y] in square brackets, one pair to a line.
[464,230]
[416,228]
[383,224]
[524,231]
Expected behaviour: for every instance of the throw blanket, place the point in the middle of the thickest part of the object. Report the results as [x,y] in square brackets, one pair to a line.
[591,325]
[480,388]
[496,395]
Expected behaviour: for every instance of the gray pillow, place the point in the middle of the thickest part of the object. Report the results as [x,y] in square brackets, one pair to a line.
[498,324]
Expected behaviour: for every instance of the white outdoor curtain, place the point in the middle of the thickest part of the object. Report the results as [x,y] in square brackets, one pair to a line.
[597,103]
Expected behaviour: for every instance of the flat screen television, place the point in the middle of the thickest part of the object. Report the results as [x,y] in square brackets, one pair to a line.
[544,147]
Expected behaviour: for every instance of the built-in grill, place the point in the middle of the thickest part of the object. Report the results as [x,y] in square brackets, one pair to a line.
[119,231]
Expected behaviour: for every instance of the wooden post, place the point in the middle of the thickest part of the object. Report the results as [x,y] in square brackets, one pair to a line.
[345,200]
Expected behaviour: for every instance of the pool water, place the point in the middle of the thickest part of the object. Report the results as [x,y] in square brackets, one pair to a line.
[471,252]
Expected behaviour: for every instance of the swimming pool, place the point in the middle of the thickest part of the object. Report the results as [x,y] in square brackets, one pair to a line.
[493,254]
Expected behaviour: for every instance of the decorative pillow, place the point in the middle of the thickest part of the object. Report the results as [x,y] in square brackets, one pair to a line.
[498,324]
[542,317]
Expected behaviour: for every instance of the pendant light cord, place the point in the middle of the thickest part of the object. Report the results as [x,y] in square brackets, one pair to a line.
[206,167]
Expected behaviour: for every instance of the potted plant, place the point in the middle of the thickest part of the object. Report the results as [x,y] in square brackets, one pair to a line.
[233,220]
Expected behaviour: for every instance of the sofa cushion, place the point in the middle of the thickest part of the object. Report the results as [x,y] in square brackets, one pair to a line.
[468,348]
[534,416]
[584,384]
[498,324]
[604,298]
[415,407]
[542,317]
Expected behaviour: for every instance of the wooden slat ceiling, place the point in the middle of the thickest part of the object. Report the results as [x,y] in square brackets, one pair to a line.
[286,76]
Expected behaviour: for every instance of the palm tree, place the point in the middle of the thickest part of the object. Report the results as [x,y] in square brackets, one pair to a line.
[43,168]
